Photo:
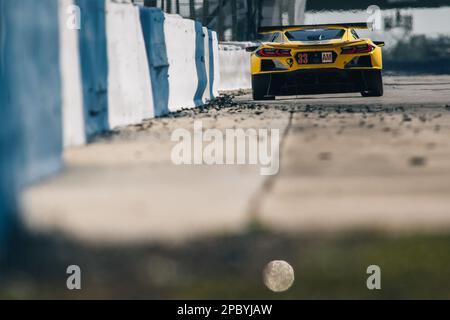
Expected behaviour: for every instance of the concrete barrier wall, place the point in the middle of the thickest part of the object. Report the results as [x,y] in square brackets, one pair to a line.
[183,80]
[129,87]
[30,99]
[235,69]
[30,54]
[9,138]
[94,65]
[207,66]
[152,22]
[61,86]
[200,64]
[129,63]
[72,95]
[215,66]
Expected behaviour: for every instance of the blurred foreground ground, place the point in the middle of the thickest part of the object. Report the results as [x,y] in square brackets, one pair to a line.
[230,267]
[363,181]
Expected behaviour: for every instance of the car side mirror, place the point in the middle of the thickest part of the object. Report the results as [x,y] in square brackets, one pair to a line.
[379,43]
[251,49]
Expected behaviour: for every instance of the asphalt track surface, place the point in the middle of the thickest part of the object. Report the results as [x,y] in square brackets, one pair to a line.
[347,163]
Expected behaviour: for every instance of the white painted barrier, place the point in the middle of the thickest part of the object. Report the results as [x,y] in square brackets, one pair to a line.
[129,86]
[180,44]
[72,96]
[217,65]
[235,70]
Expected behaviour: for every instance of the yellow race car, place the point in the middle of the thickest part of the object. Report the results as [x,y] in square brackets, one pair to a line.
[314,59]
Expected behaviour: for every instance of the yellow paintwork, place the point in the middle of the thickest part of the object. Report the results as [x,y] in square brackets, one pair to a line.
[330,45]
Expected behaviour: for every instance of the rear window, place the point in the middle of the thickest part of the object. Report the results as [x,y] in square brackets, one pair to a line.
[315,34]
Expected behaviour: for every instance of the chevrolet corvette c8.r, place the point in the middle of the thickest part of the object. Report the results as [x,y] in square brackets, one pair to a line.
[314,59]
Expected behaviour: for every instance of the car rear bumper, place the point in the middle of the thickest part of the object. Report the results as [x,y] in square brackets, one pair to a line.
[315,81]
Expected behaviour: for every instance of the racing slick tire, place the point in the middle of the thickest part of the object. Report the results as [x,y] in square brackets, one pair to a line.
[374,84]
[260,86]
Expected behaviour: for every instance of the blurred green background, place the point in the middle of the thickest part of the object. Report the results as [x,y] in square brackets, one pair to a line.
[331,266]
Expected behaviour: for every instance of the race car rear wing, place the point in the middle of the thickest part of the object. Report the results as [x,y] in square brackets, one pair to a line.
[352,25]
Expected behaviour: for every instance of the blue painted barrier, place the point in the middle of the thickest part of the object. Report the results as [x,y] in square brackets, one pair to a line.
[31,133]
[8,140]
[152,21]
[31,54]
[211,63]
[200,63]
[94,65]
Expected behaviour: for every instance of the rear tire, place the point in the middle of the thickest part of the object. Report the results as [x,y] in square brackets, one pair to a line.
[260,85]
[373,81]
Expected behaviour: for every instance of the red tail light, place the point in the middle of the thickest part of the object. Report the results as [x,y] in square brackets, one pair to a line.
[274,52]
[363,48]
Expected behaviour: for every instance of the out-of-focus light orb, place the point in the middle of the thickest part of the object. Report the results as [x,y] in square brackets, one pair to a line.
[278,276]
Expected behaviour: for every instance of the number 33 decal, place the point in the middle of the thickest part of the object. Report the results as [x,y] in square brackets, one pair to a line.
[302,58]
